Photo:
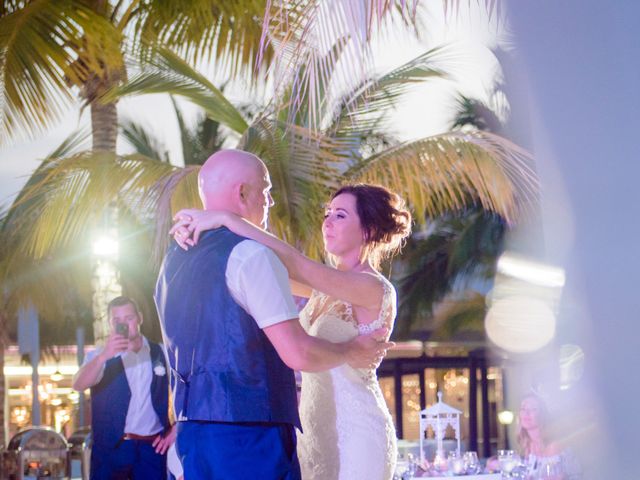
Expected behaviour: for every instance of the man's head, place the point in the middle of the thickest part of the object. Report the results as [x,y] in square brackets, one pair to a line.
[237,182]
[124,311]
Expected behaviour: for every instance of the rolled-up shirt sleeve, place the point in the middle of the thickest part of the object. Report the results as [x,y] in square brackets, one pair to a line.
[259,283]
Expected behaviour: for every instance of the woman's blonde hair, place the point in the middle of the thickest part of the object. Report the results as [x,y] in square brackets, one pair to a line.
[524,439]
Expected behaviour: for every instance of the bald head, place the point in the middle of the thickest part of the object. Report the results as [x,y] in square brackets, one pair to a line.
[236,181]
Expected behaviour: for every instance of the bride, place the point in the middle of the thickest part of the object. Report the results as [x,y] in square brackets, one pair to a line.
[348,431]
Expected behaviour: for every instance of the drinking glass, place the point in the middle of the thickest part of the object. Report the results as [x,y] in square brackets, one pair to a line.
[508,460]
[455,463]
[471,463]
[549,470]
[412,467]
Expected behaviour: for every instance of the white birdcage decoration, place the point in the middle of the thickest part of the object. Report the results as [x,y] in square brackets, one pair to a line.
[439,417]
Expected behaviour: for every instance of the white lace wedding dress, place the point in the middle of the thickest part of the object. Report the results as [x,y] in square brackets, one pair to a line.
[348,433]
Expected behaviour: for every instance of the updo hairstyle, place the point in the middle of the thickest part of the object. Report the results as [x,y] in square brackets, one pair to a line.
[384,219]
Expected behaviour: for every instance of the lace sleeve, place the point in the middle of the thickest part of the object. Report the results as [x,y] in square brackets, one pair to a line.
[387,313]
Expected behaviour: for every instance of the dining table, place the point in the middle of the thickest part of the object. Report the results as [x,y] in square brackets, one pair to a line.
[480,476]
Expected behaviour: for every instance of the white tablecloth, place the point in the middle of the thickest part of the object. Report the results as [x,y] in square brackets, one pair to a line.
[488,476]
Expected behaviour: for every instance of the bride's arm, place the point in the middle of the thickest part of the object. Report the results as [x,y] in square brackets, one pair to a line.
[358,288]
[299,289]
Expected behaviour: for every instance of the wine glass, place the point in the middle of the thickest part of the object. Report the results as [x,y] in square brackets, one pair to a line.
[508,460]
[471,463]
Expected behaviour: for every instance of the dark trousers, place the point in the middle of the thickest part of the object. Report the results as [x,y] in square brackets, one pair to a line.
[233,451]
[129,460]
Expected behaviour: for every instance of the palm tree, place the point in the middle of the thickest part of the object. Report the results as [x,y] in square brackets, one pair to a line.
[459,249]
[303,34]
[438,174]
[52,52]
[197,142]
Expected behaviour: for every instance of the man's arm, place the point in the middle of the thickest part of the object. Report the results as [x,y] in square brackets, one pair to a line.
[258,281]
[91,372]
[301,351]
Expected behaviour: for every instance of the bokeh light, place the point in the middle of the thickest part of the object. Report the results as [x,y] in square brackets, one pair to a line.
[520,324]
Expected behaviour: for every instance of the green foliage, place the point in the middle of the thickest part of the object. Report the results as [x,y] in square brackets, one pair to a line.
[458,250]
[52,52]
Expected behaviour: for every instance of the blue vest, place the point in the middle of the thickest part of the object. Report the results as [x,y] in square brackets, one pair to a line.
[224,368]
[111,396]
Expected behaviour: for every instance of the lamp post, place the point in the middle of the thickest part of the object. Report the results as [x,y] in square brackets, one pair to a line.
[105,282]
[505,418]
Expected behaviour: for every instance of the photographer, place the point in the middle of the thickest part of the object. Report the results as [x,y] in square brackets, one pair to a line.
[128,379]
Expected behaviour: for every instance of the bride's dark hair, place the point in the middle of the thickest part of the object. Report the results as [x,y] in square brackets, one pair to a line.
[385,220]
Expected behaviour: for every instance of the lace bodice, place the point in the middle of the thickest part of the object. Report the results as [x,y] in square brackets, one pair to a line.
[319,315]
[348,431]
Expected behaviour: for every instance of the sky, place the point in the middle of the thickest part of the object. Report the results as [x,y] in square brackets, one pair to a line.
[473,72]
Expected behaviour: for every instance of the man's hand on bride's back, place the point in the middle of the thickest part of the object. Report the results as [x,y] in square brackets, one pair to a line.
[189,223]
[367,351]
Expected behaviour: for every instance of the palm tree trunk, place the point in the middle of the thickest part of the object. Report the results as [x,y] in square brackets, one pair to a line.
[104,126]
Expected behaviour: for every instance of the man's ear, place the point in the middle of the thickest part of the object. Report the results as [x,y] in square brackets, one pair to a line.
[242,192]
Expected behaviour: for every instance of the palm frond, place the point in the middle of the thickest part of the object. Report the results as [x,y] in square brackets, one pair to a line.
[303,32]
[168,73]
[69,196]
[475,114]
[74,143]
[460,316]
[50,284]
[201,30]
[38,51]
[304,168]
[453,170]
[143,141]
[459,251]
[361,109]
[452,7]
[24,209]
[171,193]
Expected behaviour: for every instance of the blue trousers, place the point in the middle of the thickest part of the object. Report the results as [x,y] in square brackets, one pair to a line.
[129,460]
[235,451]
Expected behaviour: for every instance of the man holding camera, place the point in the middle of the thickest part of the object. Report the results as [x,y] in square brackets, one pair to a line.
[128,379]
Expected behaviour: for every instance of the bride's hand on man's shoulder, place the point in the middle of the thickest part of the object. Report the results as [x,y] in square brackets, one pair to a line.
[189,223]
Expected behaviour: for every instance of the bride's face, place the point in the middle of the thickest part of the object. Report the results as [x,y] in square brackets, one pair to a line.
[341,229]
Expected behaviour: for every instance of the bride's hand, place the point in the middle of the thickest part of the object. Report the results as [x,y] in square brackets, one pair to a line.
[189,223]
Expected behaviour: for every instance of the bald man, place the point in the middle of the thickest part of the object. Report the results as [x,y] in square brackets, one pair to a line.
[232,335]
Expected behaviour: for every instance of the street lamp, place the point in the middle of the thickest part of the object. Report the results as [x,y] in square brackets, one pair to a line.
[105,247]
[106,284]
[505,418]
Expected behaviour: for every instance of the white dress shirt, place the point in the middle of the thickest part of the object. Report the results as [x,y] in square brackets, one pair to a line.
[259,283]
[141,419]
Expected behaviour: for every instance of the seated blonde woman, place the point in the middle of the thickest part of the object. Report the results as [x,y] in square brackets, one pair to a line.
[544,457]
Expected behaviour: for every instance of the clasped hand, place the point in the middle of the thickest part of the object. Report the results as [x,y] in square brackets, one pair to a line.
[189,223]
